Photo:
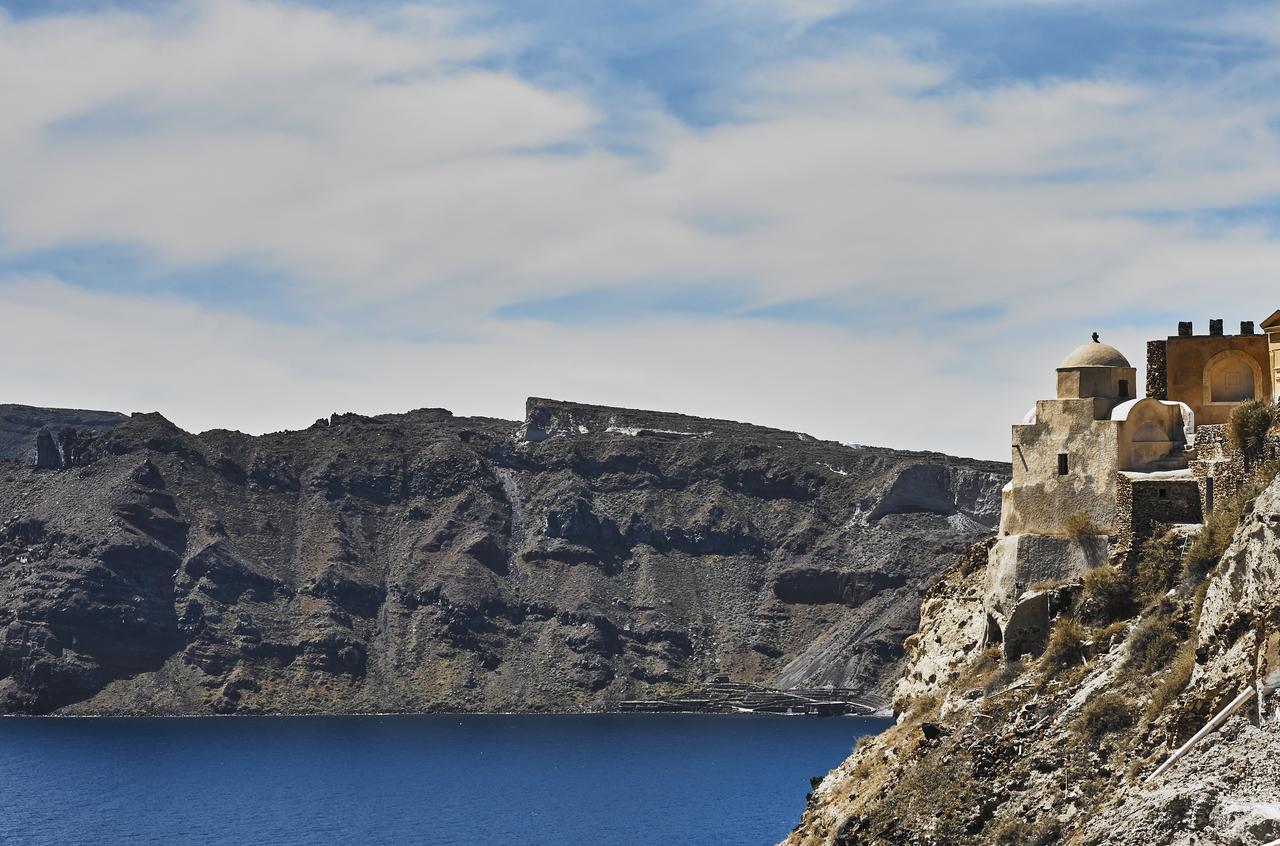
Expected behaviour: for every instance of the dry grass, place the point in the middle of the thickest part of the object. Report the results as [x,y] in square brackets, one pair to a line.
[1081,525]
[1017,832]
[1159,565]
[1065,647]
[1166,693]
[1108,594]
[1152,644]
[986,663]
[1103,714]
[1220,527]
[1007,674]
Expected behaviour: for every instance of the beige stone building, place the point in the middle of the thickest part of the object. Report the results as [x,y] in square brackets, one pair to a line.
[1272,327]
[1212,373]
[1096,467]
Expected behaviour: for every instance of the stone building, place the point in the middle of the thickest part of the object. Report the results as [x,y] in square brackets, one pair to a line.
[1096,468]
[1076,459]
[1213,373]
[1272,327]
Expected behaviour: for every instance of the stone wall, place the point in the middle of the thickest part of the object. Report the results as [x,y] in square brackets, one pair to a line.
[1219,468]
[1144,502]
[1157,370]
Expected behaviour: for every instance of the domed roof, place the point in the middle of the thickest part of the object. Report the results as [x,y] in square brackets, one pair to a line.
[1094,354]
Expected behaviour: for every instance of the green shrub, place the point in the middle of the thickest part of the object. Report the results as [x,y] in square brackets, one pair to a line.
[1247,429]
[1108,594]
[1104,713]
[1065,647]
[1159,565]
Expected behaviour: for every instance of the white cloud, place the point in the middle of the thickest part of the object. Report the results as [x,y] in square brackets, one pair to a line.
[210,370]
[395,166]
[799,13]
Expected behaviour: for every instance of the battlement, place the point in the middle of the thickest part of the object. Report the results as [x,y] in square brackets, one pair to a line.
[1212,374]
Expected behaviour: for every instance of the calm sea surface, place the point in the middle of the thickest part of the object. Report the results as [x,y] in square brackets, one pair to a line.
[598,780]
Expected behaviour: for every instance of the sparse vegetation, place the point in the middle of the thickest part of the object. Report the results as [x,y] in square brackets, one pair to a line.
[986,662]
[1220,526]
[1107,594]
[1104,713]
[1153,644]
[1081,525]
[1159,565]
[1008,673]
[1175,681]
[1249,424]
[1106,633]
[1065,647]
[1016,832]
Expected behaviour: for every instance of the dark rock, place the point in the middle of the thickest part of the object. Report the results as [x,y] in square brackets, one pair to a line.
[419,562]
[47,455]
[21,424]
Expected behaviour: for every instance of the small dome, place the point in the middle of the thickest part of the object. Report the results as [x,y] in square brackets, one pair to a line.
[1095,354]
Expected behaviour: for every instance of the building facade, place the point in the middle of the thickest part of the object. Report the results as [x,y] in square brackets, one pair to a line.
[1097,468]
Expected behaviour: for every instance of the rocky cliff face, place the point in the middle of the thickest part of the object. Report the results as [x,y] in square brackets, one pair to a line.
[1058,750]
[20,427]
[422,561]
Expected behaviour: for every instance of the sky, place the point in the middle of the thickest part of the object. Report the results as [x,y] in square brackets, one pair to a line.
[875,221]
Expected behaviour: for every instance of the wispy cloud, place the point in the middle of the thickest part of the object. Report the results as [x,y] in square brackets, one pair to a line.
[371,172]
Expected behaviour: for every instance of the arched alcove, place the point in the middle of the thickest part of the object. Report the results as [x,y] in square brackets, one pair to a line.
[1232,377]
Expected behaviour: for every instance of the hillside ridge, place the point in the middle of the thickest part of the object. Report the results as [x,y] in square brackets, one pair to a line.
[421,561]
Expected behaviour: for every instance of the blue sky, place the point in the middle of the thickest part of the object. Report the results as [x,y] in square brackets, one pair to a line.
[815,214]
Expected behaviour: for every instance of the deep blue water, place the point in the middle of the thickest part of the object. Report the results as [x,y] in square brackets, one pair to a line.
[603,780]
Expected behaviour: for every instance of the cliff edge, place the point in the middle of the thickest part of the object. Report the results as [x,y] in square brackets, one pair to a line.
[1064,748]
[421,561]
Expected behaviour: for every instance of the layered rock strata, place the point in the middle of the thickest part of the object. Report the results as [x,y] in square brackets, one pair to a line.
[422,561]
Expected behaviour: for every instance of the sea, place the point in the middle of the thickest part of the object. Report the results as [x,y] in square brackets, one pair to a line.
[603,780]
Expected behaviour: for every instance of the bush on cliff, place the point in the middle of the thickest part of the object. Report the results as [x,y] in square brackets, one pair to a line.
[1108,595]
[1152,644]
[1104,713]
[1174,681]
[1159,565]
[1221,524]
[1066,646]
[1249,424]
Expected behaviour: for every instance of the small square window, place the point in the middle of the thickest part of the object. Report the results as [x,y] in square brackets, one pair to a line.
[1062,464]
[1124,388]
[1163,493]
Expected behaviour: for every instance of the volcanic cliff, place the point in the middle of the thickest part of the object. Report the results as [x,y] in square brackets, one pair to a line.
[1065,748]
[422,561]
